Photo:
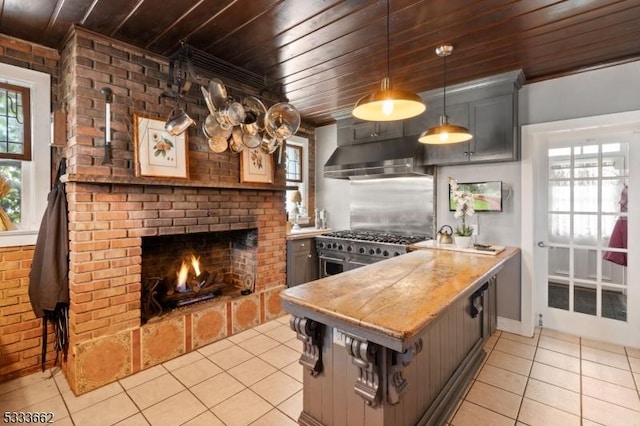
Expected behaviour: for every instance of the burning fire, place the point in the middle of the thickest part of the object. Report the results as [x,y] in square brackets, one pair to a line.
[195,263]
[182,275]
[183,284]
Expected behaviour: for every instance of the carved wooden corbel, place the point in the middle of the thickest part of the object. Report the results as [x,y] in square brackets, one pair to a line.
[397,384]
[365,356]
[310,333]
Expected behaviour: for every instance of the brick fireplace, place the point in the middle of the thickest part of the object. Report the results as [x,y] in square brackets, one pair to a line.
[112,211]
[108,223]
[113,215]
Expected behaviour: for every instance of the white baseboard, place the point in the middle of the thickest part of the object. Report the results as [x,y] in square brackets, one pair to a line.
[512,326]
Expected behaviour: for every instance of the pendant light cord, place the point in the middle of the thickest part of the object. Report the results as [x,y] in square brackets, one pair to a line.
[444,97]
[388,42]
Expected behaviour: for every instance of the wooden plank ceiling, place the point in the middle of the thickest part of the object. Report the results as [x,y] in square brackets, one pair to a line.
[328,53]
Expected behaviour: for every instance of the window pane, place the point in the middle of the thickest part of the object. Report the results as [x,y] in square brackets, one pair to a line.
[10,196]
[614,303]
[614,195]
[559,261]
[558,294]
[585,196]
[559,228]
[14,125]
[559,196]
[585,264]
[559,168]
[585,298]
[585,229]
[615,159]
[585,167]
[294,163]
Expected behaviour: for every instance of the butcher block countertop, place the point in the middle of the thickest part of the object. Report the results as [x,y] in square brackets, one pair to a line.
[391,302]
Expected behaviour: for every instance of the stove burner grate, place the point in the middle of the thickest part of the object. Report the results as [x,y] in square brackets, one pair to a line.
[377,236]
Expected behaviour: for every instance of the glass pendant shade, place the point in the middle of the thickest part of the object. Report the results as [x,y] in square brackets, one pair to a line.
[388,104]
[445,133]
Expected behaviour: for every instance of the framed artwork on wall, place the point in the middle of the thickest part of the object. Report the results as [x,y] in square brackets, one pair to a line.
[256,166]
[156,152]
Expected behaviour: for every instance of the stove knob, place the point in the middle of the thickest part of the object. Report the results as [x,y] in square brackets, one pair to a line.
[372,251]
[378,250]
[349,248]
[340,247]
[396,254]
[361,250]
[385,253]
[321,245]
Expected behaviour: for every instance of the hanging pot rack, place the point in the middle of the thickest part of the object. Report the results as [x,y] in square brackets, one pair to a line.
[188,65]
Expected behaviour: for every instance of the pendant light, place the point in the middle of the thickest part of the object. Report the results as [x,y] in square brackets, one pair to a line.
[445,132]
[388,104]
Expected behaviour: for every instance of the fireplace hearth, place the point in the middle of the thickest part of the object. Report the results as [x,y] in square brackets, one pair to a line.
[181,270]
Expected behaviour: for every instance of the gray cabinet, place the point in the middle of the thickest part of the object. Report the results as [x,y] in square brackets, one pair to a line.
[487,107]
[352,131]
[440,154]
[302,261]
[490,121]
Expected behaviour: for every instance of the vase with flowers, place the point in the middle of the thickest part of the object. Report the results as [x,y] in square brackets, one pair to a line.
[464,208]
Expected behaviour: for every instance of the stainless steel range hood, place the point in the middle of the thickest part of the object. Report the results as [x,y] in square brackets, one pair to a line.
[373,160]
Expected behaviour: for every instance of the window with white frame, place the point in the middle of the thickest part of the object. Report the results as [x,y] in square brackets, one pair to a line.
[25,110]
[297,176]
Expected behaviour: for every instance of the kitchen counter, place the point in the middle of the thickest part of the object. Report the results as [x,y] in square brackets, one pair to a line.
[426,312]
[394,300]
[308,232]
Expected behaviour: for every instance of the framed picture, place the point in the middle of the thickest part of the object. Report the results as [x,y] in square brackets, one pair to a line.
[157,153]
[256,166]
[487,196]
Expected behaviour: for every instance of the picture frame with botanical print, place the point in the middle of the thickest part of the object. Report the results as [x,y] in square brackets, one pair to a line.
[156,152]
[256,166]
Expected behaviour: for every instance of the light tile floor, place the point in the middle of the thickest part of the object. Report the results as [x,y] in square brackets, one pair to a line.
[254,378]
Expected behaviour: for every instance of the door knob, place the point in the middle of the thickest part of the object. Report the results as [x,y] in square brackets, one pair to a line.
[541,244]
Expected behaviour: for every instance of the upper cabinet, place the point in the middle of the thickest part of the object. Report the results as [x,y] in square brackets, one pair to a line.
[352,131]
[488,108]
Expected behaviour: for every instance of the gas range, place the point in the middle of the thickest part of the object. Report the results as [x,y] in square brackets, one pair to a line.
[371,243]
[344,250]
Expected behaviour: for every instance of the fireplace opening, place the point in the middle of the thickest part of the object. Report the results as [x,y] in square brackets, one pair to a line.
[181,270]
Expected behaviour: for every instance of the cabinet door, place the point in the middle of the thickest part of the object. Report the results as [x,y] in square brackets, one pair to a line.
[493,131]
[369,131]
[456,153]
[300,268]
[302,261]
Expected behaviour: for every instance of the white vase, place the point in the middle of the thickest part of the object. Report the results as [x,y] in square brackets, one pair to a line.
[463,242]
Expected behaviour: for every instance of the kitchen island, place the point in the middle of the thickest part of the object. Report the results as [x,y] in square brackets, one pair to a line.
[394,342]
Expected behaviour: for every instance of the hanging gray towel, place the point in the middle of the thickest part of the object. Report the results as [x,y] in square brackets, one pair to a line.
[49,276]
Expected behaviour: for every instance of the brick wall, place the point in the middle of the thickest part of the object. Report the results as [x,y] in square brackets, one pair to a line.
[20,331]
[108,218]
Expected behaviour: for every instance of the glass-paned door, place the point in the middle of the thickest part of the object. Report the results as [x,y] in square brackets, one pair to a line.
[583,220]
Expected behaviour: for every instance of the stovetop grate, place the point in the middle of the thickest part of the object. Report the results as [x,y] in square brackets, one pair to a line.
[377,236]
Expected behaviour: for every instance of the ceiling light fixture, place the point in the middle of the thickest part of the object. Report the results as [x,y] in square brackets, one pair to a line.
[388,104]
[445,133]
